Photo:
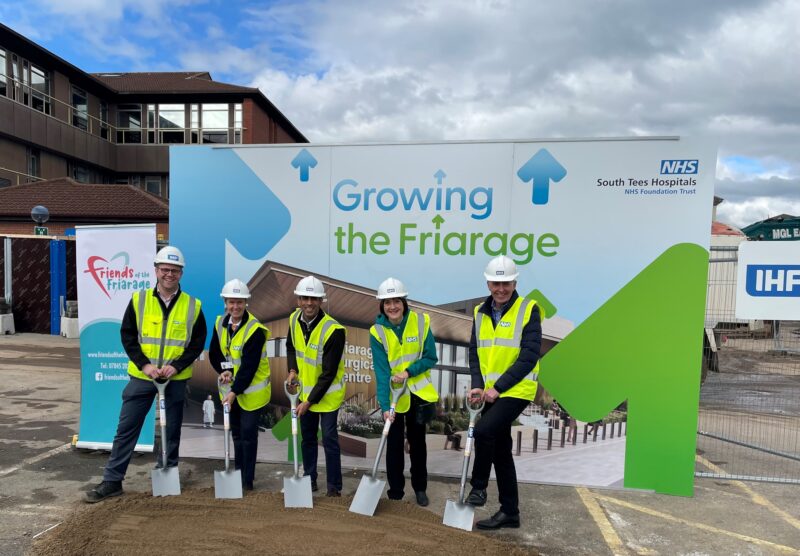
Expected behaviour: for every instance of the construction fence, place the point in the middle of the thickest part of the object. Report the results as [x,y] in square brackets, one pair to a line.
[749,420]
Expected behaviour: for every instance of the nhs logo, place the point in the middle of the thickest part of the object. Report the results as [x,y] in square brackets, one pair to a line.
[679,166]
[773,280]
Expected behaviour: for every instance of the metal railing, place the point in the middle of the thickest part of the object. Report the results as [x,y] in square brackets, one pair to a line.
[26,178]
[749,416]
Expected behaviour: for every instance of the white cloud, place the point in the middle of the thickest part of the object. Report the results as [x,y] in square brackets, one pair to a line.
[741,214]
[347,70]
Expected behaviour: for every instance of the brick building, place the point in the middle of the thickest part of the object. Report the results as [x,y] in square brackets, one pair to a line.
[74,204]
[116,128]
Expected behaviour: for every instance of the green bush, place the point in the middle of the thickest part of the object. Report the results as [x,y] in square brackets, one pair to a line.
[361,425]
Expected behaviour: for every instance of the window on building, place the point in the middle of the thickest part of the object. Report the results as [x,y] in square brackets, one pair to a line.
[215,123]
[40,89]
[129,123]
[34,163]
[171,123]
[5,182]
[194,123]
[80,108]
[104,119]
[237,124]
[15,74]
[26,83]
[135,180]
[81,173]
[3,80]
[151,123]
[152,184]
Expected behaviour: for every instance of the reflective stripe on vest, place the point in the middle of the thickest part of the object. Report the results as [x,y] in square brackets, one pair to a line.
[309,362]
[165,345]
[258,394]
[401,354]
[497,354]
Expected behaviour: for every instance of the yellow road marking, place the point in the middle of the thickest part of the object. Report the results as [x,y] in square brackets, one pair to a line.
[609,534]
[701,526]
[754,496]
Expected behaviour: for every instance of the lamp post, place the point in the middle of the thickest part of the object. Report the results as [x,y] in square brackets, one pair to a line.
[40,215]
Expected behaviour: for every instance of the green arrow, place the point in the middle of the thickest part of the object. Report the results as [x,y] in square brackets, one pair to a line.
[544,304]
[644,346]
[438,220]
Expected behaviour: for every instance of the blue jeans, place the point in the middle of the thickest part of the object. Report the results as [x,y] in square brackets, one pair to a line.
[310,422]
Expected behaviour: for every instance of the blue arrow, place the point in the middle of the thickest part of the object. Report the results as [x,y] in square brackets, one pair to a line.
[540,169]
[439,175]
[304,160]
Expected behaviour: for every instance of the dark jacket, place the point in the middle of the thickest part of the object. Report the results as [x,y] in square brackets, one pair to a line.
[129,333]
[331,356]
[251,354]
[530,348]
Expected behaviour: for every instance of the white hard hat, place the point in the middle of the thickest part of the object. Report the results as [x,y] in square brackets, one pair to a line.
[235,289]
[170,255]
[310,287]
[390,288]
[501,269]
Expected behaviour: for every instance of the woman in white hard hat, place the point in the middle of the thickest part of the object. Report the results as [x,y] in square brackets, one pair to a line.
[403,347]
[238,352]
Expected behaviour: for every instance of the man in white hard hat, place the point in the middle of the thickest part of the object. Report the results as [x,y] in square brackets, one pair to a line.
[322,375]
[238,352]
[163,331]
[504,364]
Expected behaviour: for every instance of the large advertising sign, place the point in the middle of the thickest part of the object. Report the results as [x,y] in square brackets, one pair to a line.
[112,263]
[768,280]
[611,236]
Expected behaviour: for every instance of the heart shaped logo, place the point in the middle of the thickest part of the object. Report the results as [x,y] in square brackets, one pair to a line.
[104,273]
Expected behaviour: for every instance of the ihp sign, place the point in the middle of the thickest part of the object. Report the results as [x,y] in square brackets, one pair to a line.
[768,285]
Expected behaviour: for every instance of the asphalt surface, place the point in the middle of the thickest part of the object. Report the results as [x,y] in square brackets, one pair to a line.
[42,480]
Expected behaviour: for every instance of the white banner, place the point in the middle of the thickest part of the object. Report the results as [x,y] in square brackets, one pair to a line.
[112,262]
[768,282]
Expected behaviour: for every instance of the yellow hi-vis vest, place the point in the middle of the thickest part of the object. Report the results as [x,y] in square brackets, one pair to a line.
[258,394]
[499,347]
[402,355]
[163,340]
[309,361]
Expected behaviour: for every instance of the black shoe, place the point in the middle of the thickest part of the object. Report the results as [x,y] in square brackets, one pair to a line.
[248,486]
[104,490]
[422,498]
[333,493]
[314,487]
[477,497]
[499,520]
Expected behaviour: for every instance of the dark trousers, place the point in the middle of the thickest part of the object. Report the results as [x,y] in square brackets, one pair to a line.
[244,430]
[395,453]
[493,447]
[310,423]
[137,399]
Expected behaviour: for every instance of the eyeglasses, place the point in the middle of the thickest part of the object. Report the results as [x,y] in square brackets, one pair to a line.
[175,271]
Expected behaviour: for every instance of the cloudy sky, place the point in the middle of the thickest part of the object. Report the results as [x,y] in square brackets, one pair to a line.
[345,70]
